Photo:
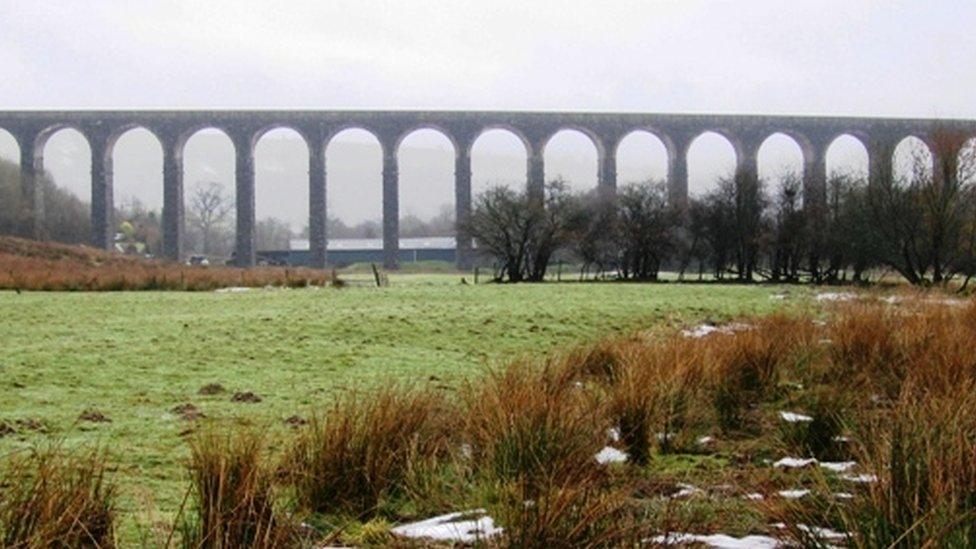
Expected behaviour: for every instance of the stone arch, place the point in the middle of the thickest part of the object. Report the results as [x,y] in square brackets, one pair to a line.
[912,157]
[360,129]
[847,155]
[704,165]
[503,143]
[281,185]
[9,147]
[426,184]
[781,159]
[506,128]
[132,174]
[569,167]
[355,188]
[629,171]
[427,127]
[70,171]
[966,162]
[277,128]
[215,164]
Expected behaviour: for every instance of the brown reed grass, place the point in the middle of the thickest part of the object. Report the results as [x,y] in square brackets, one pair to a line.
[54,497]
[41,266]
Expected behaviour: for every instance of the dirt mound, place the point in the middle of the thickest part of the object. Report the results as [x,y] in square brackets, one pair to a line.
[211,389]
[246,396]
[31,425]
[296,421]
[188,412]
[94,416]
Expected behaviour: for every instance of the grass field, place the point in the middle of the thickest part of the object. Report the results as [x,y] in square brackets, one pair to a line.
[134,356]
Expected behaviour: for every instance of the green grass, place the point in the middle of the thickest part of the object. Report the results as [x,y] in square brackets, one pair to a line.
[133,356]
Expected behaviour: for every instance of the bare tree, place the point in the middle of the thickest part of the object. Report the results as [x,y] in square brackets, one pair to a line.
[210,208]
[921,218]
[648,223]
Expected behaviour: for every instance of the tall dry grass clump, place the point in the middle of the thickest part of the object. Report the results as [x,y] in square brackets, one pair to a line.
[534,431]
[584,513]
[881,349]
[364,449]
[232,482]
[655,395]
[746,368]
[53,497]
[532,422]
[924,456]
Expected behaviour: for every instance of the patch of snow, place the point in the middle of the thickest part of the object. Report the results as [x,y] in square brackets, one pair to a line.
[684,491]
[822,533]
[838,466]
[614,434]
[795,463]
[791,417]
[861,479]
[793,494]
[450,528]
[706,440]
[841,438]
[843,495]
[700,331]
[232,290]
[609,454]
[836,296]
[754,496]
[718,541]
[703,330]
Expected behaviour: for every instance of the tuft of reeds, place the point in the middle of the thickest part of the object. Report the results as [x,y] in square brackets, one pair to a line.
[653,400]
[365,448]
[745,368]
[531,422]
[234,497]
[56,497]
[584,513]
[922,454]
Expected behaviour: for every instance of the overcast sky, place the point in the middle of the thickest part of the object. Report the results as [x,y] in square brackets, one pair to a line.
[898,58]
[845,57]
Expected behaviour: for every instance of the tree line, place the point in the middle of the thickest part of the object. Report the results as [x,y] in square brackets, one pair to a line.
[920,224]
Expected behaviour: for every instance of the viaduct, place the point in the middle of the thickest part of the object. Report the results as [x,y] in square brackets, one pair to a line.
[173,128]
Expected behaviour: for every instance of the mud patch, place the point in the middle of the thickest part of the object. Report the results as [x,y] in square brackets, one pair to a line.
[31,425]
[94,416]
[246,396]
[188,412]
[211,389]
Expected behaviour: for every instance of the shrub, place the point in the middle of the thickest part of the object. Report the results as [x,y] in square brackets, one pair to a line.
[53,497]
[233,487]
[363,449]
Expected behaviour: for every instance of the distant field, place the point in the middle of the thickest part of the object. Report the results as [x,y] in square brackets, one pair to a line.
[134,356]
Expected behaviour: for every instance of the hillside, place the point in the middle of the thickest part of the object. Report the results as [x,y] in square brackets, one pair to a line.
[47,266]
